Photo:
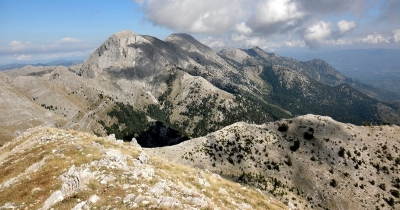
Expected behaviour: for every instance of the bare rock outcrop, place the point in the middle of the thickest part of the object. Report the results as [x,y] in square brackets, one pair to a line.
[70,170]
[314,162]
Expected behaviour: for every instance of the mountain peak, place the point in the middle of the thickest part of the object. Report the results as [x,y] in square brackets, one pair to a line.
[187,42]
[257,48]
[123,34]
[116,51]
[181,36]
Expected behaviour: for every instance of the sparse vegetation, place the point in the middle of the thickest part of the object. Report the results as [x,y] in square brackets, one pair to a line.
[61,150]
[283,127]
[309,134]
[333,183]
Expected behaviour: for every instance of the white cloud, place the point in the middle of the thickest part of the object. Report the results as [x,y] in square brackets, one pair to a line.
[315,35]
[322,34]
[206,16]
[18,45]
[263,17]
[69,40]
[242,28]
[274,16]
[295,43]
[246,22]
[213,42]
[217,17]
[375,38]
[238,37]
[22,57]
[345,26]
[66,42]
[395,36]
[260,42]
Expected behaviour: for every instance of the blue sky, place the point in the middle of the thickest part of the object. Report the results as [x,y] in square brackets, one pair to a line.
[44,30]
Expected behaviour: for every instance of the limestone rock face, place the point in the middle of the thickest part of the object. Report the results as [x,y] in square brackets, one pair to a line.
[131,56]
[113,52]
[75,180]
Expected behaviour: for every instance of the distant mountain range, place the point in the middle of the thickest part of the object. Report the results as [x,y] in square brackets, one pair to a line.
[52,63]
[376,67]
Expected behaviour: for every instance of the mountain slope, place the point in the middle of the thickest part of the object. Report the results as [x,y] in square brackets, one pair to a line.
[51,96]
[238,74]
[187,87]
[46,168]
[312,161]
[316,69]
[300,94]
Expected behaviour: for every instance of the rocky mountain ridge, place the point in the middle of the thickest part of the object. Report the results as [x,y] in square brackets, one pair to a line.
[12,66]
[183,84]
[49,168]
[312,161]
[307,162]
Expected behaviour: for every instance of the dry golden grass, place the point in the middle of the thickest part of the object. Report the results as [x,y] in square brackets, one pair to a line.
[67,148]
[47,177]
[187,175]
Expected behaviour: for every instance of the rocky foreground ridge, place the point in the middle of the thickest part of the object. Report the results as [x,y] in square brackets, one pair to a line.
[49,168]
[311,161]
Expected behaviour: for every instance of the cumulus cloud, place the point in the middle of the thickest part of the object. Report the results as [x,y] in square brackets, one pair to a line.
[323,33]
[247,22]
[66,42]
[395,36]
[248,17]
[315,35]
[375,38]
[242,28]
[213,42]
[69,40]
[345,26]
[238,37]
[251,41]
[18,45]
[193,16]
[295,43]
[275,16]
